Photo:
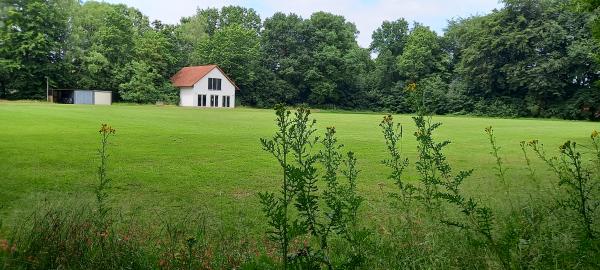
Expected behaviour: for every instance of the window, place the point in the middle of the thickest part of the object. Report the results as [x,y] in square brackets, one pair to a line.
[214,101]
[214,84]
[226,100]
[202,100]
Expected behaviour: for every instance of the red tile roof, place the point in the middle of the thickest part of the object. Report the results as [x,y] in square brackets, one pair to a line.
[188,76]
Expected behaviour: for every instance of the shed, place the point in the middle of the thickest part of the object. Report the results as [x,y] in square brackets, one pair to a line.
[78,96]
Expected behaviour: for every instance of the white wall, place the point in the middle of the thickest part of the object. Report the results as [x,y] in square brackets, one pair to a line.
[102,98]
[189,96]
[186,97]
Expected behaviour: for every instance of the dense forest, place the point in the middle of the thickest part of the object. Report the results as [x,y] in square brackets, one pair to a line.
[529,58]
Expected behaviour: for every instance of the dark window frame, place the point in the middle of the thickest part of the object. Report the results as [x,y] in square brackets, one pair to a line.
[214,84]
[226,101]
[201,100]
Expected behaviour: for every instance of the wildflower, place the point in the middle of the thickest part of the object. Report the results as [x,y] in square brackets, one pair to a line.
[387,119]
[4,245]
[565,146]
[106,129]
[411,87]
[594,134]
[533,143]
[489,130]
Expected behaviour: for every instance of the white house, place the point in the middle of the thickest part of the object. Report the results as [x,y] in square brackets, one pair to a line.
[204,86]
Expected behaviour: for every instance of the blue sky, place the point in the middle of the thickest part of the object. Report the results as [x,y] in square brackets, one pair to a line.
[366,14]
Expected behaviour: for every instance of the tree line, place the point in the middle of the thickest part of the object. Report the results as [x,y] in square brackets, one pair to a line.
[528,58]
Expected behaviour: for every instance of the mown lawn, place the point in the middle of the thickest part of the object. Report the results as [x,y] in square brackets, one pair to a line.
[169,161]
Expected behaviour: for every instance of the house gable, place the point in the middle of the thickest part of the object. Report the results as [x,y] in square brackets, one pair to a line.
[189,76]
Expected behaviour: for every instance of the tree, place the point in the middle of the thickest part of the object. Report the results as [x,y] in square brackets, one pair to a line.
[329,38]
[145,85]
[228,16]
[532,51]
[102,44]
[283,51]
[390,36]
[32,46]
[189,34]
[317,60]
[385,82]
[236,50]
[145,79]
[422,56]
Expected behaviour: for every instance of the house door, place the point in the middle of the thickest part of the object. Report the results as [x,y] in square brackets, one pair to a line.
[214,101]
[202,100]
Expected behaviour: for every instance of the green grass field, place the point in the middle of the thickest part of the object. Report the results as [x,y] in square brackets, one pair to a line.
[170,160]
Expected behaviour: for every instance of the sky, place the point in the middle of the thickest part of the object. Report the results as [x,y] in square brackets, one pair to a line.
[366,14]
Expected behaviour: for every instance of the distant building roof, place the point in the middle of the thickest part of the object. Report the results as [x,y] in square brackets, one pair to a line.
[188,76]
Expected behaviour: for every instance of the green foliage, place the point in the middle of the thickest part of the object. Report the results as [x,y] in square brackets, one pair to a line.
[146,85]
[315,60]
[431,164]
[580,181]
[437,182]
[33,35]
[500,168]
[292,146]
[65,238]
[235,49]
[529,58]
[390,37]
[106,132]
[215,19]
[422,55]
[495,53]
[393,140]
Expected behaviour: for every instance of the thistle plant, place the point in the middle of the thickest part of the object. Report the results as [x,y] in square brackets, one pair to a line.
[437,173]
[276,207]
[499,167]
[341,200]
[437,182]
[432,165]
[106,132]
[530,168]
[297,210]
[577,179]
[440,183]
[393,134]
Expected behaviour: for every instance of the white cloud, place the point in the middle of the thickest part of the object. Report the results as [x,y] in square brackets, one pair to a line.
[366,14]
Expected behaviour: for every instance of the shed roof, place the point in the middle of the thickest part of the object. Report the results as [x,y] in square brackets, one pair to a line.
[188,76]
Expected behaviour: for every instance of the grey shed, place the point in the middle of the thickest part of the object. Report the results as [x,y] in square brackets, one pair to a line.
[77,96]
